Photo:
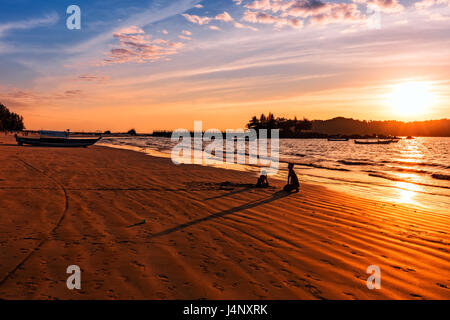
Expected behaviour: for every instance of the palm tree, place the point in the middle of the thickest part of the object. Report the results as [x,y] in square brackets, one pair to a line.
[253,123]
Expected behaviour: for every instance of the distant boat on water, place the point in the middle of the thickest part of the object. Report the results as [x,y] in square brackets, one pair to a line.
[376,142]
[338,139]
[56,139]
[410,137]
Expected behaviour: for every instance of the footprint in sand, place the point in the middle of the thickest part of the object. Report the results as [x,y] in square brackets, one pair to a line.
[139,265]
[351,295]
[286,271]
[314,291]
[292,283]
[404,269]
[163,277]
[254,266]
[276,284]
[358,276]
[182,254]
[327,261]
[110,293]
[218,286]
[442,285]
[313,277]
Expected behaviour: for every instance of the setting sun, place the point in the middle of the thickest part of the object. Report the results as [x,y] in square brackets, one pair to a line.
[411,98]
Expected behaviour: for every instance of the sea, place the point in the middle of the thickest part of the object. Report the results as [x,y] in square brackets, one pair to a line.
[413,171]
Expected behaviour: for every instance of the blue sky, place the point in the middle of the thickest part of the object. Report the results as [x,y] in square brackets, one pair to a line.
[163,64]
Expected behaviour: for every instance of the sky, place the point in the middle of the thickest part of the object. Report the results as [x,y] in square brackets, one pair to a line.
[161,64]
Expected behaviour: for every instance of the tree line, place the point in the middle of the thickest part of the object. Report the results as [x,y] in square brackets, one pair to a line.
[289,128]
[347,127]
[10,121]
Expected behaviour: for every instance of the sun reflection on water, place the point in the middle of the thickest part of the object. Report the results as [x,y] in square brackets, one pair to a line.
[411,151]
[407,192]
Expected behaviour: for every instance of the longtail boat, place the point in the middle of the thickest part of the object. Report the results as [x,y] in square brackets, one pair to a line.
[56,139]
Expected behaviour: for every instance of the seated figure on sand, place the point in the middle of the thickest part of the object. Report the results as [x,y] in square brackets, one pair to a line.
[262,181]
[292,183]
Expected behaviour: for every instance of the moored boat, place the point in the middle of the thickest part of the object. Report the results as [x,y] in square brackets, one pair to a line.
[56,139]
[338,139]
[374,142]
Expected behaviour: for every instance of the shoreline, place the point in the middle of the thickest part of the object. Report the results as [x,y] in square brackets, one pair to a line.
[203,238]
[381,186]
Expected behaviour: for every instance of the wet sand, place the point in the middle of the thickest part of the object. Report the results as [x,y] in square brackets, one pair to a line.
[202,238]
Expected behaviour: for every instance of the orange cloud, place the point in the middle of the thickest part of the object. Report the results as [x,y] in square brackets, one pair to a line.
[139,47]
[197,19]
[224,17]
[389,6]
[265,18]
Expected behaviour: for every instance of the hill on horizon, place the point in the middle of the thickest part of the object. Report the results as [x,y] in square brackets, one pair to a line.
[349,126]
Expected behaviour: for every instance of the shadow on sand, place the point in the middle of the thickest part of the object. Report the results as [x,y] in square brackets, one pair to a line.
[276,196]
[230,193]
[9,145]
[28,146]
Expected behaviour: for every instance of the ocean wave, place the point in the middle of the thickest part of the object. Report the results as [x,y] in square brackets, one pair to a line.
[399,169]
[355,163]
[409,163]
[298,155]
[339,180]
[318,166]
[389,177]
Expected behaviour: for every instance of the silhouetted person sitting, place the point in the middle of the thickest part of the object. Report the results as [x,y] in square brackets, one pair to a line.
[292,183]
[262,181]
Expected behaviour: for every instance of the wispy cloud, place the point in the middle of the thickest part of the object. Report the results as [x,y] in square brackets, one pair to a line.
[47,20]
[142,19]
[137,46]
[423,4]
[292,13]
[265,18]
[387,6]
[131,30]
[224,17]
[197,19]
[92,77]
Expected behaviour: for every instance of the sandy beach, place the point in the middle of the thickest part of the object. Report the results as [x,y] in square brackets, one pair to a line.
[206,235]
